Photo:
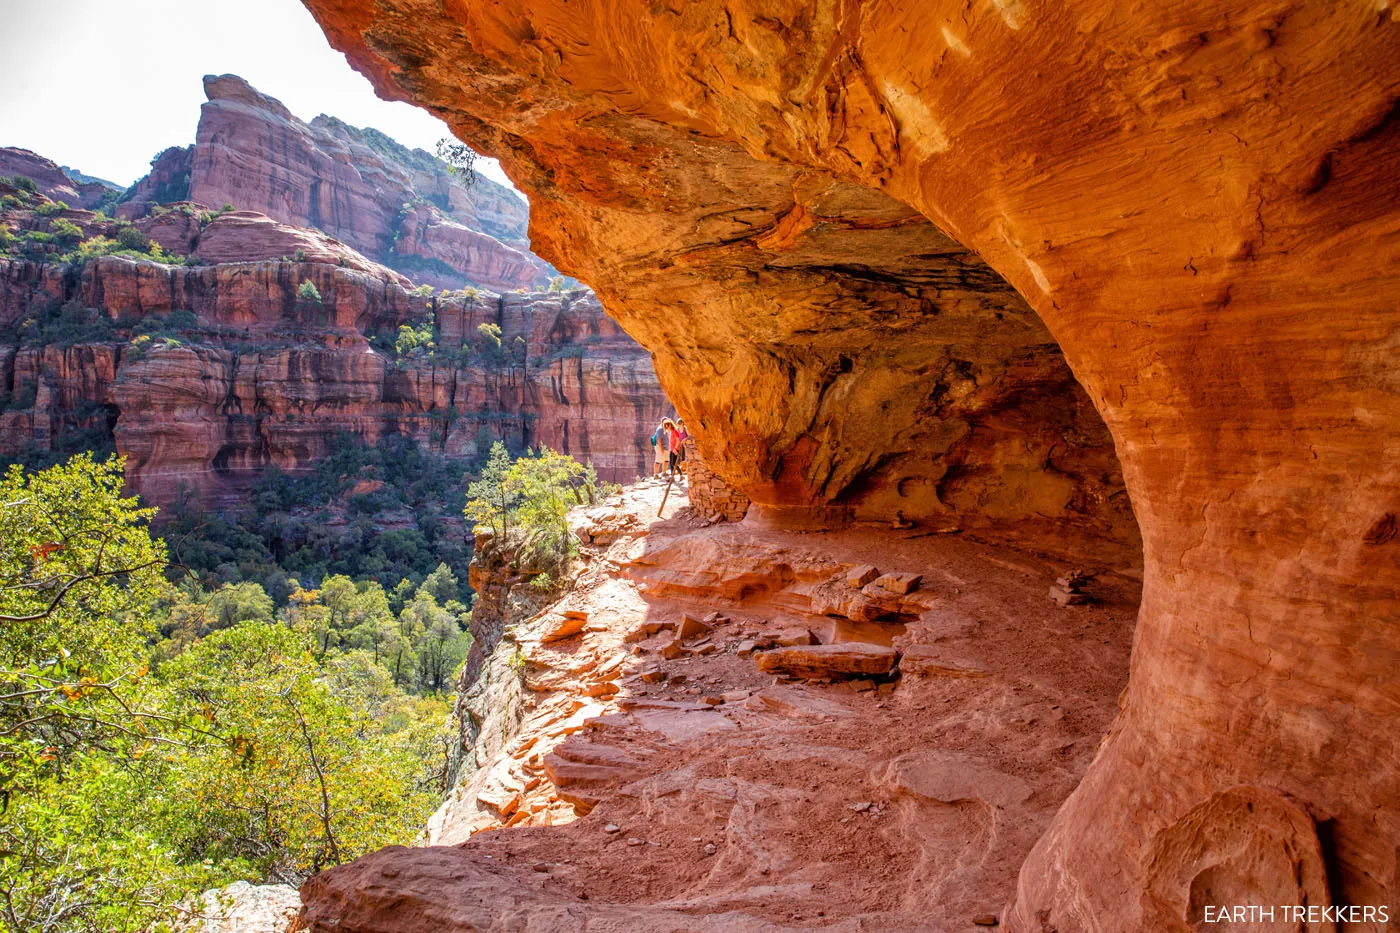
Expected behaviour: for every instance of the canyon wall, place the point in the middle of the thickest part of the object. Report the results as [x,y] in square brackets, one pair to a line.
[53,181]
[260,376]
[857,239]
[398,206]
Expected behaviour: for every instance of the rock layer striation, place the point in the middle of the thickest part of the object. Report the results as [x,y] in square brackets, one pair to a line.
[854,237]
[259,376]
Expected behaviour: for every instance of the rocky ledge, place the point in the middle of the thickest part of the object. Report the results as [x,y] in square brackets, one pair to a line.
[664,764]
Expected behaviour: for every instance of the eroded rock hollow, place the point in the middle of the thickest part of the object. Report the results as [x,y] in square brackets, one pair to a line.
[857,237]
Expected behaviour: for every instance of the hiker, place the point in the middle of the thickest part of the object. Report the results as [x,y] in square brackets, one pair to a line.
[682,435]
[658,446]
[674,438]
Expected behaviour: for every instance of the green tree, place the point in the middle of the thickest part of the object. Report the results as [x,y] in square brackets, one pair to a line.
[309,293]
[78,576]
[533,495]
[489,499]
[438,642]
[442,584]
[299,776]
[548,484]
[66,231]
[238,755]
[128,237]
[234,603]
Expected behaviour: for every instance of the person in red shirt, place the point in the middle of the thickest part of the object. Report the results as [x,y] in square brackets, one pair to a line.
[675,436]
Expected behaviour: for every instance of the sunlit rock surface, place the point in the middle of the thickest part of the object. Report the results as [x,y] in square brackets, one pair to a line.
[857,239]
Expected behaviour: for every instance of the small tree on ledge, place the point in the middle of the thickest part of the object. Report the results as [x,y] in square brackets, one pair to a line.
[461,161]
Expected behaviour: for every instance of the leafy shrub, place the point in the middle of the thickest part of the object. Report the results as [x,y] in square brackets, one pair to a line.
[416,337]
[49,208]
[65,231]
[128,237]
[308,292]
[526,503]
[65,325]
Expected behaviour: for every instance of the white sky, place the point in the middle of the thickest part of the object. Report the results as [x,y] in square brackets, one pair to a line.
[104,85]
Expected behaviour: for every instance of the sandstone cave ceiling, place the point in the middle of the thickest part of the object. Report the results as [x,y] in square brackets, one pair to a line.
[1198,200]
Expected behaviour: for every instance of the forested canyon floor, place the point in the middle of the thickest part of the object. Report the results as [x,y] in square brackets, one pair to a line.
[655,779]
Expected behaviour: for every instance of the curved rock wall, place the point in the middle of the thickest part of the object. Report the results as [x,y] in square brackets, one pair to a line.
[823,221]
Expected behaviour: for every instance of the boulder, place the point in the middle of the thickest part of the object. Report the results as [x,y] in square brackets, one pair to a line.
[852,659]
[899,583]
[860,576]
[691,628]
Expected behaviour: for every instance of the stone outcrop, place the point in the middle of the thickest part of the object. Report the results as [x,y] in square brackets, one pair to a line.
[247,236]
[167,182]
[264,377]
[51,180]
[934,263]
[248,908]
[397,206]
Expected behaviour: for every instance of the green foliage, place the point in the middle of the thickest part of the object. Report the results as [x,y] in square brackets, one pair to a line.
[308,292]
[208,217]
[235,603]
[526,503]
[49,208]
[490,501]
[66,324]
[24,183]
[61,243]
[418,339]
[65,231]
[487,349]
[460,159]
[311,527]
[174,189]
[156,742]
[78,574]
[290,771]
[128,237]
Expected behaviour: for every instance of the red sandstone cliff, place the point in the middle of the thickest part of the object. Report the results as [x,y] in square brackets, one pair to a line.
[53,181]
[267,378]
[398,206]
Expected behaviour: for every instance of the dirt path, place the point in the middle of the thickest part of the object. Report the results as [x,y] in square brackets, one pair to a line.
[661,783]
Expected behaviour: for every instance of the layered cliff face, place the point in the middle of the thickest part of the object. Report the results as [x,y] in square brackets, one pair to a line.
[854,237]
[398,206]
[72,188]
[259,376]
